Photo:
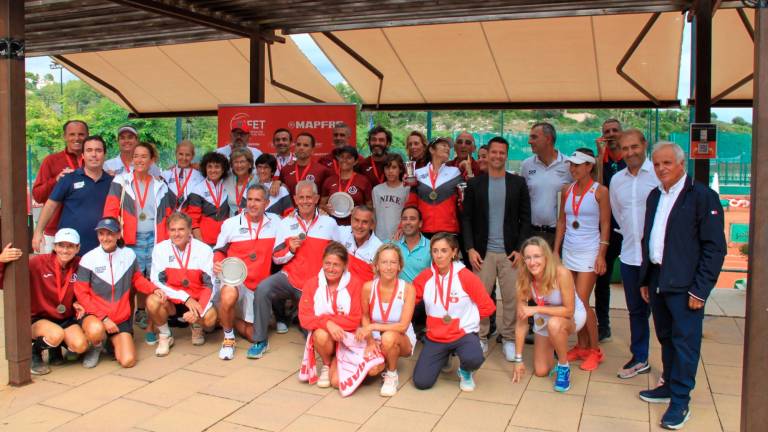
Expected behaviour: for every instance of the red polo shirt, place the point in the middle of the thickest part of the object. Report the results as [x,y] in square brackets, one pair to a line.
[46,180]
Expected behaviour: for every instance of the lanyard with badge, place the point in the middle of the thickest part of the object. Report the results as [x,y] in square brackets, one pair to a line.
[142,200]
[304,227]
[252,256]
[539,302]
[377,295]
[181,187]
[61,289]
[183,263]
[433,179]
[575,205]
[215,197]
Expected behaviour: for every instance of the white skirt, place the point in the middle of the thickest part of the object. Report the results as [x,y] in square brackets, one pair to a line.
[579,318]
[580,261]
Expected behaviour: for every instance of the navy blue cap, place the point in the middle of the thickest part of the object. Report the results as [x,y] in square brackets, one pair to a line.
[109,223]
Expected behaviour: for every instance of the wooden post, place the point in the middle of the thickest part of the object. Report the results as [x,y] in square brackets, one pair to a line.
[257,74]
[13,195]
[754,397]
[703,46]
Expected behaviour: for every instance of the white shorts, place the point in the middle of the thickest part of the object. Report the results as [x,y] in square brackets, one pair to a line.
[579,317]
[580,261]
[244,305]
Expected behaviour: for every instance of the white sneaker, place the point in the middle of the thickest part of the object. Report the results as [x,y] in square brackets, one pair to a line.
[281,327]
[389,388]
[227,351]
[164,344]
[509,350]
[324,379]
[484,346]
[198,336]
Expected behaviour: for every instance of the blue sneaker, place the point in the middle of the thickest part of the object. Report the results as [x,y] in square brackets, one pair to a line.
[467,382]
[675,417]
[257,350]
[150,338]
[563,378]
[660,394]
[141,318]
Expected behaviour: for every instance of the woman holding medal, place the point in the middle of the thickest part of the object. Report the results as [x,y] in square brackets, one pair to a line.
[208,203]
[346,181]
[387,308]
[435,194]
[241,161]
[183,271]
[583,230]
[142,203]
[455,300]
[182,177]
[558,312]
[329,307]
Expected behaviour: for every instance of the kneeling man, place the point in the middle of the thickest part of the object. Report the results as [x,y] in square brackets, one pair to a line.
[249,236]
[182,267]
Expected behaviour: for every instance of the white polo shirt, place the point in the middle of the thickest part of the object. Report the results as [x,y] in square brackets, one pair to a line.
[544,182]
[628,195]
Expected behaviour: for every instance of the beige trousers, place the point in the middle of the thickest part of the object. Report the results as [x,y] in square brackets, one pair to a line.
[497,266]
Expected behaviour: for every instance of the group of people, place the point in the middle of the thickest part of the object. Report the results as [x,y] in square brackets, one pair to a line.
[419,257]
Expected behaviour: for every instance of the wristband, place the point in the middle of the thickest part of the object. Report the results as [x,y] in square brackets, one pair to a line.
[519,358]
[602,242]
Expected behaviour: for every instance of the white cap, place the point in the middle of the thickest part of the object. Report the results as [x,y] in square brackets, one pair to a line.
[67,235]
[127,128]
[579,158]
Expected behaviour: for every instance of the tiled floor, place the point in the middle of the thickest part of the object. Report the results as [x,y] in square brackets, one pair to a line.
[192,390]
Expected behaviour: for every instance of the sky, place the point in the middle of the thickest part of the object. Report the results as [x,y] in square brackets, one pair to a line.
[41,66]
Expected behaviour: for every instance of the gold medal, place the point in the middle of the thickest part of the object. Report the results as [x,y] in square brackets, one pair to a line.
[252,257]
[433,195]
[447,319]
[185,283]
[61,308]
[539,322]
[142,216]
[575,224]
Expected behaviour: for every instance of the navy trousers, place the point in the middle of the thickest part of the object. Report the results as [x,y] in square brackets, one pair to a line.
[639,312]
[603,283]
[678,329]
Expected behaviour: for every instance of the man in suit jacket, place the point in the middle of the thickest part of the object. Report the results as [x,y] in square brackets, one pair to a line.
[495,221]
[683,251]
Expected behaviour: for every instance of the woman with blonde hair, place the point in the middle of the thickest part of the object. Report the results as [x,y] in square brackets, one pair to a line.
[558,312]
[387,306]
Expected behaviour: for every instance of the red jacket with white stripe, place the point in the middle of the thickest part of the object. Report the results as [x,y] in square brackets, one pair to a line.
[308,259]
[122,186]
[202,209]
[317,306]
[105,283]
[237,239]
[468,303]
[43,291]
[360,257]
[440,214]
[169,275]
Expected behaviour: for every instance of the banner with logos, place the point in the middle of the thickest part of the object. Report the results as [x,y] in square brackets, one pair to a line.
[261,121]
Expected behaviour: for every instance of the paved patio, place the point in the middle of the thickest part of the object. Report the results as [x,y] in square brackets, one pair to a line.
[192,390]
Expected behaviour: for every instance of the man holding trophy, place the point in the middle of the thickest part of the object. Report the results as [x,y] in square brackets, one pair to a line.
[242,259]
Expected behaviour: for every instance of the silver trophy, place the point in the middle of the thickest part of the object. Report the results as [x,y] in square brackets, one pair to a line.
[410,173]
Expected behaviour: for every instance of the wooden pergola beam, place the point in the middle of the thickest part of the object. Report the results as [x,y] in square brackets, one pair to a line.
[754,398]
[13,187]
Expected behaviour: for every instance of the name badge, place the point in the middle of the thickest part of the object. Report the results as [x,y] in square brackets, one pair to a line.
[78,185]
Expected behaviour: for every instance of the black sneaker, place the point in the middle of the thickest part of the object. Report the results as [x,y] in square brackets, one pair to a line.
[38,366]
[632,368]
[604,334]
[660,394]
[55,357]
[675,417]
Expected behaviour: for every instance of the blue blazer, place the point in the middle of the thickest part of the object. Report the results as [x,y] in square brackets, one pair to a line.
[694,243]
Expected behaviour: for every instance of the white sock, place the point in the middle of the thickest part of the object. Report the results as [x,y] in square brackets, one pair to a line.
[164,329]
[229,333]
[392,372]
[566,364]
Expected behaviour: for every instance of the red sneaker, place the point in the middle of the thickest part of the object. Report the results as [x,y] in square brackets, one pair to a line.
[577,353]
[592,360]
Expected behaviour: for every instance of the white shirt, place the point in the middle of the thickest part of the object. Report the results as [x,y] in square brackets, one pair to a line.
[227,151]
[544,182]
[659,229]
[628,195]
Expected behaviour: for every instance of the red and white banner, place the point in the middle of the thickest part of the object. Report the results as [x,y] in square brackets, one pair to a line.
[262,120]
